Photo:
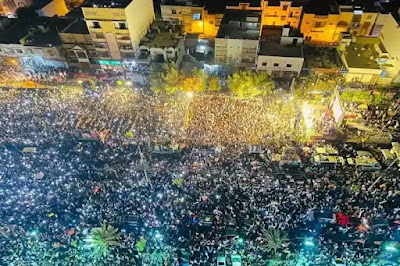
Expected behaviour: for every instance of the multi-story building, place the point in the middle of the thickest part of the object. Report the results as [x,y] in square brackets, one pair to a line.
[281,51]
[281,13]
[324,22]
[163,44]
[33,43]
[44,8]
[367,60]
[195,17]
[236,44]
[117,27]
[78,46]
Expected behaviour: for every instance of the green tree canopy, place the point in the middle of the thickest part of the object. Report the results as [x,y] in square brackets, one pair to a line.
[102,239]
[248,84]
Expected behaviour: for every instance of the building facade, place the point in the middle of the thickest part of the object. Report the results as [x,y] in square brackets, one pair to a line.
[117,29]
[236,44]
[194,17]
[367,60]
[77,45]
[324,27]
[32,44]
[281,13]
[281,52]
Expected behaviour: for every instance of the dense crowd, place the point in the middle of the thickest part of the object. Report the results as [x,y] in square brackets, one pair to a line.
[87,170]
[42,74]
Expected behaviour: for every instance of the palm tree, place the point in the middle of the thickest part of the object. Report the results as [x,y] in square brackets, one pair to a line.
[102,239]
[275,239]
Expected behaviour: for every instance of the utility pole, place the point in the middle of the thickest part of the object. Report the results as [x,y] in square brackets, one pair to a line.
[381,175]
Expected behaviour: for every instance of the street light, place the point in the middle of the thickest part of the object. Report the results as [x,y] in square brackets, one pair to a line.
[189,94]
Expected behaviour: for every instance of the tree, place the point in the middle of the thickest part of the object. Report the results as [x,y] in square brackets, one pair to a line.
[275,239]
[248,84]
[102,239]
[197,82]
[172,79]
[213,84]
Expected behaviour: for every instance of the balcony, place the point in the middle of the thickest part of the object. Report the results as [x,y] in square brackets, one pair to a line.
[122,30]
[124,41]
[95,39]
[101,48]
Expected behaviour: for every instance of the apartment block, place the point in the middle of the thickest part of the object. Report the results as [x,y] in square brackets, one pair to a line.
[117,27]
[77,44]
[281,13]
[236,44]
[195,17]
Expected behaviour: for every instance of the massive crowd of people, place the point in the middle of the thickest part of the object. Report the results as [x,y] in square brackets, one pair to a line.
[87,169]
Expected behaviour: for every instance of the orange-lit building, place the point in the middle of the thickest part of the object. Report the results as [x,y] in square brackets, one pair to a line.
[323,24]
[281,13]
[195,17]
[255,5]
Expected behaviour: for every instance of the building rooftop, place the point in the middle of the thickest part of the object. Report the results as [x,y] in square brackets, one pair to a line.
[295,3]
[163,34]
[38,31]
[365,5]
[272,32]
[75,13]
[240,24]
[107,3]
[76,26]
[252,3]
[272,48]
[362,53]
[321,8]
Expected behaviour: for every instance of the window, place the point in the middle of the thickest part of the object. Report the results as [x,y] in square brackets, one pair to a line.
[212,22]
[122,26]
[196,16]
[288,65]
[18,51]
[284,7]
[276,64]
[173,11]
[80,54]
[319,24]
[96,25]
[283,17]
[264,64]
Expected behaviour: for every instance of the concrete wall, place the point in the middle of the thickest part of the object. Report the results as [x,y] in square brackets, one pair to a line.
[390,36]
[325,34]
[276,15]
[139,15]
[267,63]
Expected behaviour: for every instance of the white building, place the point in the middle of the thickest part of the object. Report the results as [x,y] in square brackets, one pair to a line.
[236,44]
[281,52]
